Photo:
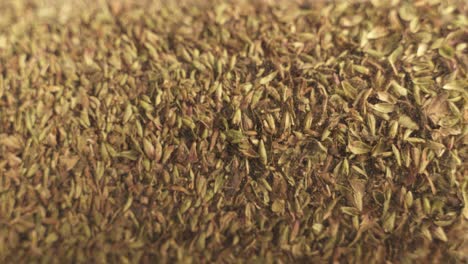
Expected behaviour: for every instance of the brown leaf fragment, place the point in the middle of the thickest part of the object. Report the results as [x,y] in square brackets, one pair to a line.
[69,162]
[437,108]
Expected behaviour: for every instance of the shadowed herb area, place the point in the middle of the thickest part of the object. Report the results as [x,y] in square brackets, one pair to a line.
[233,131]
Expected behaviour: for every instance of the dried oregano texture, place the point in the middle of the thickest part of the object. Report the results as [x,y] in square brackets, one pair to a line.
[233,131]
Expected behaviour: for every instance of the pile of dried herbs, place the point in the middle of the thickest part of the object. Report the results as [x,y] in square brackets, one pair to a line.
[233,131]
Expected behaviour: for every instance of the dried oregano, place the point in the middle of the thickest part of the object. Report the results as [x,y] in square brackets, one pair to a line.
[233,131]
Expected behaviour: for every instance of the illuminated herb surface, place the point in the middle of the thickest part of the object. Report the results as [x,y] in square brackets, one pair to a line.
[233,132]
